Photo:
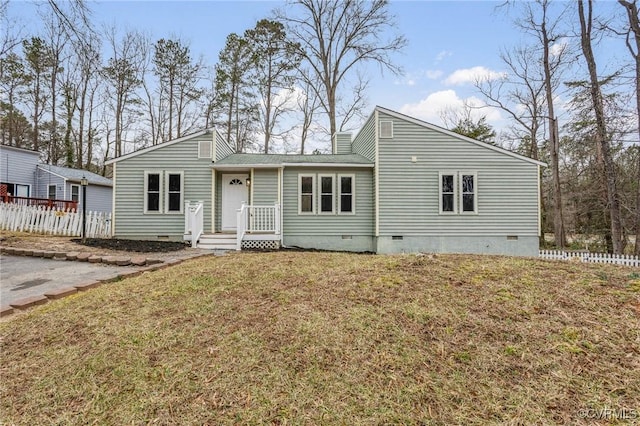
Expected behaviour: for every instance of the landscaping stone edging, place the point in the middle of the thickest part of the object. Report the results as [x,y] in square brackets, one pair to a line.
[82,257]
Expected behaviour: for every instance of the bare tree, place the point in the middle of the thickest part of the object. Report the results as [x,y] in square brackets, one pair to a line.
[602,138]
[308,104]
[10,32]
[336,37]
[633,44]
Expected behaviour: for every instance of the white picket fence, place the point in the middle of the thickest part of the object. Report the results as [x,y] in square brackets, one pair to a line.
[616,259]
[14,217]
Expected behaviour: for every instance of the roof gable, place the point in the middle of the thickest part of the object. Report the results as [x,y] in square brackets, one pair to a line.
[160,145]
[457,135]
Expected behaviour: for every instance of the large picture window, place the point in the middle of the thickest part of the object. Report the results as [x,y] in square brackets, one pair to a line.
[458,192]
[305,199]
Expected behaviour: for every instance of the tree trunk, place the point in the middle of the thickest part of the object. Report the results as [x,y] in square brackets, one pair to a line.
[601,129]
[558,219]
[634,26]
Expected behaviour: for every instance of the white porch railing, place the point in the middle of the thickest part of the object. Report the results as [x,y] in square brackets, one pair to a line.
[193,221]
[257,219]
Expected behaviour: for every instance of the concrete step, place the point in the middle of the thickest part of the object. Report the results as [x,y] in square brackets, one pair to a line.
[217,242]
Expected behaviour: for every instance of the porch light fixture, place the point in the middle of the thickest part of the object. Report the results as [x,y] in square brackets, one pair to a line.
[248,182]
[84,182]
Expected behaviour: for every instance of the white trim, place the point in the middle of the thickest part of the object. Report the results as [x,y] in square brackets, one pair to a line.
[539,204]
[353,193]
[333,194]
[280,199]
[167,174]
[313,195]
[251,187]
[281,165]
[113,203]
[475,192]
[50,172]
[213,201]
[455,192]
[71,186]
[457,136]
[376,172]
[160,192]
[160,145]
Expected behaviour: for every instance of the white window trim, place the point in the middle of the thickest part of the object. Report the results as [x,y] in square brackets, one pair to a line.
[71,192]
[313,188]
[353,193]
[475,192]
[146,187]
[391,124]
[166,191]
[455,192]
[333,194]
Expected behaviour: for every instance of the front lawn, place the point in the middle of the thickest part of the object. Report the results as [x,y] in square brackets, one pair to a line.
[332,338]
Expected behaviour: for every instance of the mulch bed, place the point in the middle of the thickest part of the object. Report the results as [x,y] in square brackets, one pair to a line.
[139,246]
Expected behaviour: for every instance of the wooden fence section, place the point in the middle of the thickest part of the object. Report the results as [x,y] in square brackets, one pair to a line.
[616,259]
[46,220]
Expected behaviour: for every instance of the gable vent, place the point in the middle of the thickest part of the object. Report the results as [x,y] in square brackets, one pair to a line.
[386,129]
[204,149]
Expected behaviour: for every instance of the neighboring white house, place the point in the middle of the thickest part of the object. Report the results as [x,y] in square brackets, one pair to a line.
[23,177]
[400,185]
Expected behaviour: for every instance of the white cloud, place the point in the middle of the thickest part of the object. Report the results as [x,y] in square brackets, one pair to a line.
[443,54]
[471,75]
[559,47]
[433,74]
[432,107]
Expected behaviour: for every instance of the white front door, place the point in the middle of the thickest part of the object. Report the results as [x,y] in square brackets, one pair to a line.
[234,193]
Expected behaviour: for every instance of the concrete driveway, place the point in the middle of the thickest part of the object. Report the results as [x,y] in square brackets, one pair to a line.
[24,276]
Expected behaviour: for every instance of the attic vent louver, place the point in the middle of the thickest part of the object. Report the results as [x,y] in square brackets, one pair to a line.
[386,129]
[204,149]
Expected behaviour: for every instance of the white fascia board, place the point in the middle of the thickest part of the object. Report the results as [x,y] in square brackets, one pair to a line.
[53,173]
[160,145]
[245,166]
[458,136]
[334,165]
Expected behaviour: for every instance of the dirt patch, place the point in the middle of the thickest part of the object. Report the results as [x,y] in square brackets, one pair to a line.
[138,246]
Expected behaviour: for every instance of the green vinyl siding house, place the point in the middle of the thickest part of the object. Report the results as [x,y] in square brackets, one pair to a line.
[400,185]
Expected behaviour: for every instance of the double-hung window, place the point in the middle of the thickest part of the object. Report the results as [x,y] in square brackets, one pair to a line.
[51,192]
[326,194]
[152,192]
[306,194]
[346,194]
[458,193]
[174,193]
[75,193]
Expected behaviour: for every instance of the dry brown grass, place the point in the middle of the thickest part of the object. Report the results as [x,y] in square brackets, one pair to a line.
[326,338]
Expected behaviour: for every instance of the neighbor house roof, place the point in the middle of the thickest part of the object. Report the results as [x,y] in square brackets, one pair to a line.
[15,148]
[74,175]
[282,160]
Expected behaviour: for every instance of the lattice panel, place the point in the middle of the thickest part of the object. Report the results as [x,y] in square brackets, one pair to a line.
[260,245]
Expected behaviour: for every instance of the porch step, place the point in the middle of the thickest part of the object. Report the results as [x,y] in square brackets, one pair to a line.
[217,241]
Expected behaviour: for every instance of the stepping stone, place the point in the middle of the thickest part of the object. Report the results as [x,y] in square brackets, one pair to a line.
[48,254]
[18,252]
[29,302]
[38,253]
[95,259]
[60,293]
[153,261]
[27,252]
[72,255]
[138,261]
[109,260]
[60,256]
[5,311]
[123,261]
[83,257]
[87,286]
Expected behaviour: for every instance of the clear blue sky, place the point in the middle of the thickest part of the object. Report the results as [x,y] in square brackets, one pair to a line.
[449,43]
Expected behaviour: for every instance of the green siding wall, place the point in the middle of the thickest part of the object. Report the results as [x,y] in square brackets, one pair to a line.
[130,220]
[265,187]
[218,196]
[222,147]
[358,224]
[409,194]
[365,141]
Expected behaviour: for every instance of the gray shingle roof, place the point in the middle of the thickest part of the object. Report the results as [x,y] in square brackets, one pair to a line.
[76,174]
[280,159]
